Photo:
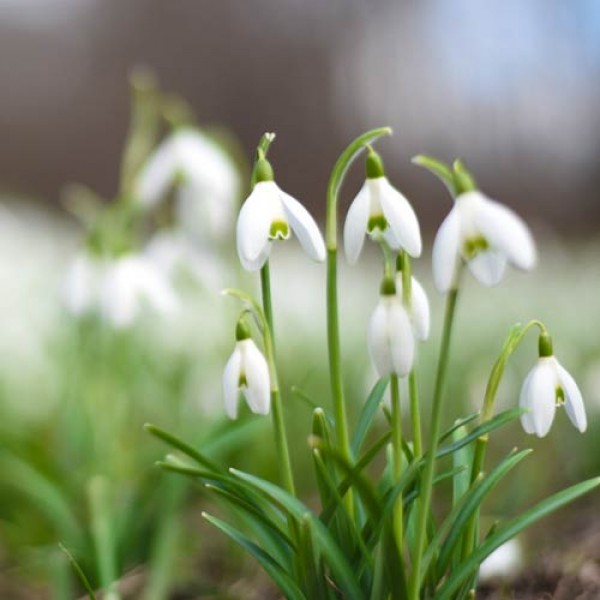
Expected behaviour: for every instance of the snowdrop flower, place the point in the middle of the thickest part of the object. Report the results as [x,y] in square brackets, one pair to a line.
[117,289]
[419,308]
[505,561]
[379,208]
[131,284]
[269,214]
[547,386]
[210,183]
[390,336]
[246,371]
[486,235]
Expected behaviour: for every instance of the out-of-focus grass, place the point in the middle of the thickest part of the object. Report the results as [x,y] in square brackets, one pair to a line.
[74,396]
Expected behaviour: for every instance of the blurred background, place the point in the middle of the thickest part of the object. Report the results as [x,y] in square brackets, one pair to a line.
[511,87]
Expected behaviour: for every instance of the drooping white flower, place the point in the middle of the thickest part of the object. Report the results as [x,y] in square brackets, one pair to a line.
[381,209]
[547,386]
[246,371]
[486,235]
[131,284]
[270,214]
[390,337]
[419,307]
[116,289]
[209,181]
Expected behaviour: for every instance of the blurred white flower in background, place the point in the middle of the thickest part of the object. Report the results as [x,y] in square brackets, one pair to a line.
[505,561]
[207,180]
[419,309]
[119,289]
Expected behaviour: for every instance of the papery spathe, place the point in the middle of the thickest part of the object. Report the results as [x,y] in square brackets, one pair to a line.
[268,214]
[547,385]
[246,371]
[486,235]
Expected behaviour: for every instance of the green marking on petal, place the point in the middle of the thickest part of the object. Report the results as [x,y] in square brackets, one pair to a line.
[242,381]
[560,396]
[377,222]
[279,230]
[474,246]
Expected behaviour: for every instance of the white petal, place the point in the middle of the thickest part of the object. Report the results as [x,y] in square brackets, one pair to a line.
[420,310]
[379,348]
[231,379]
[445,252]
[355,227]
[157,174]
[212,184]
[401,218]
[118,296]
[541,397]
[488,267]
[525,403]
[258,389]
[254,224]
[81,284]
[573,400]
[304,226]
[152,287]
[506,231]
[401,340]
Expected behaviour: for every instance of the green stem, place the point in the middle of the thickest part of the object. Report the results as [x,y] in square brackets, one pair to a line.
[413,389]
[514,339]
[397,458]
[281,441]
[415,413]
[333,331]
[436,413]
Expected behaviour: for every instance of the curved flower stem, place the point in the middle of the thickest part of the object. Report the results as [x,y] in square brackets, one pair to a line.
[281,442]
[434,431]
[514,339]
[333,331]
[397,459]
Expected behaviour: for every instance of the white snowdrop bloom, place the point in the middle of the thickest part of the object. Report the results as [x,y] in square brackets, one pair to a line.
[547,386]
[246,371]
[486,235]
[505,561]
[381,209]
[390,337]
[131,284]
[419,310]
[210,183]
[82,284]
[269,214]
[172,252]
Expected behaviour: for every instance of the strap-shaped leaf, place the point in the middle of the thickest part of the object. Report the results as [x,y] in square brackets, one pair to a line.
[459,516]
[510,530]
[368,412]
[284,581]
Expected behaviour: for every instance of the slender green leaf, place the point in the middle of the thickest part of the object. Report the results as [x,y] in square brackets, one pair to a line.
[179,444]
[280,577]
[510,530]
[457,424]
[367,414]
[79,572]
